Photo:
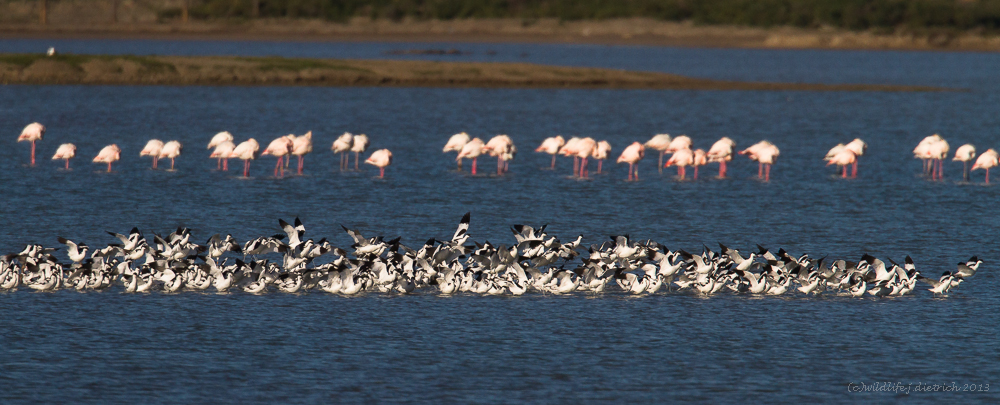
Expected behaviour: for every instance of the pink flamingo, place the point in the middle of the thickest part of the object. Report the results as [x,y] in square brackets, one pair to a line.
[279,148]
[965,153]
[570,149]
[679,143]
[152,149]
[171,150]
[218,139]
[65,152]
[601,153]
[342,145]
[700,159]
[109,154]
[584,149]
[246,151]
[722,152]
[500,146]
[681,158]
[380,158]
[301,146]
[843,158]
[222,152]
[551,146]
[360,145]
[938,151]
[455,144]
[986,161]
[765,153]
[632,155]
[922,152]
[858,147]
[472,150]
[31,133]
[659,142]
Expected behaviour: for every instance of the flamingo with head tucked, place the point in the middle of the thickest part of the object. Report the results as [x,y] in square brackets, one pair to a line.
[31,133]
[632,155]
[721,152]
[380,158]
[455,144]
[217,140]
[601,154]
[584,149]
[700,159]
[152,149]
[659,142]
[109,154]
[223,151]
[301,146]
[360,145]
[922,152]
[858,147]
[765,153]
[246,151]
[65,152]
[472,150]
[500,146]
[279,148]
[171,150]
[938,151]
[342,145]
[570,149]
[965,153]
[551,146]
[843,158]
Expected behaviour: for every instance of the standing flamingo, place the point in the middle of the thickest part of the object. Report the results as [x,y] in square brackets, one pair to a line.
[500,146]
[700,159]
[279,148]
[584,149]
[342,145]
[938,151]
[858,147]
[472,150]
[601,154]
[987,160]
[551,146]
[765,153]
[301,146]
[455,144]
[152,149]
[65,152]
[360,144]
[722,152]
[570,149]
[31,133]
[171,150]
[678,143]
[681,158]
[380,158]
[659,142]
[246,151]
[109,154]
[843,158]
[632,155]
[223,151]
[965,153]
[217,140]
[922,152]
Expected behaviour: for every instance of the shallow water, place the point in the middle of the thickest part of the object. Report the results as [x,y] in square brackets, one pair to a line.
[191,347]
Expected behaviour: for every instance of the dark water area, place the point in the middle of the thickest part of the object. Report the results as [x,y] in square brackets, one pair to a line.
[193,347]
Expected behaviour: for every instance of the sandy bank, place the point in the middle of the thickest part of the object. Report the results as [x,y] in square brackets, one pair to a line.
[172,70]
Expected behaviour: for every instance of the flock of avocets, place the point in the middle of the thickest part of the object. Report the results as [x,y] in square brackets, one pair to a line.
[932,150]
[534,262]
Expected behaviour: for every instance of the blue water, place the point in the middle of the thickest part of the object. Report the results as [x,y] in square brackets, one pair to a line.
[191,347]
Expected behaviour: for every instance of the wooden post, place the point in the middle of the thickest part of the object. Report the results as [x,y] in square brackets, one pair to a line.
[184,11]
[43,13]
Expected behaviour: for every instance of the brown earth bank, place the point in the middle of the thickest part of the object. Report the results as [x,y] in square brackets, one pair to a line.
[175,70]
[634,31]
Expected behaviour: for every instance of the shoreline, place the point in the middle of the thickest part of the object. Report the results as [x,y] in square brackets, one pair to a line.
[275,71]
[638,31]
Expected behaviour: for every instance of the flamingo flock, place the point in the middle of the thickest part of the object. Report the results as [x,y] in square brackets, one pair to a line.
[534,262]
[932,150]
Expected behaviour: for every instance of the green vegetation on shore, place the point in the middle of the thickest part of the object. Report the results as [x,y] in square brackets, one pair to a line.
[848,14]
[244,71]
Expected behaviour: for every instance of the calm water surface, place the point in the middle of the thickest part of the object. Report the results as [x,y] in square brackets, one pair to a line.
[190,347]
